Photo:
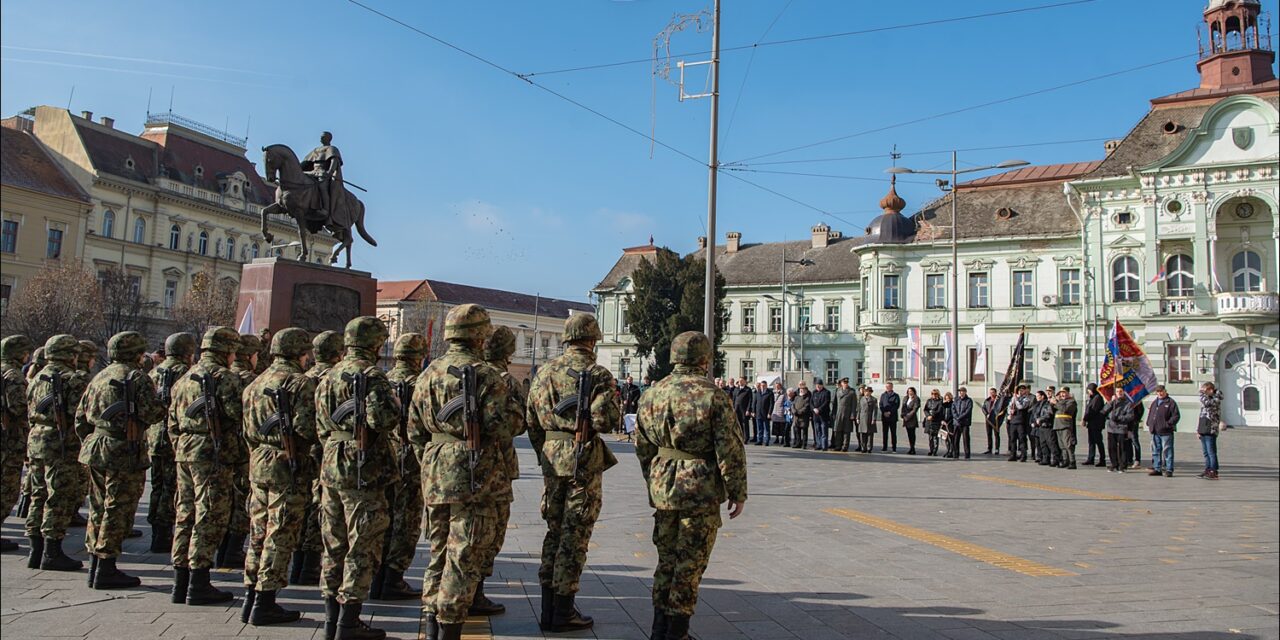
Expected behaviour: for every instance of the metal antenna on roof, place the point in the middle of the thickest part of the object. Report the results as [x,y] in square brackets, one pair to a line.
[246,127]
[149,90]
[171,87]
[73,94]
[894,155]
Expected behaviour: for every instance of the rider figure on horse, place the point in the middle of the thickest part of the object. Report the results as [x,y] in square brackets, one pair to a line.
[325,163]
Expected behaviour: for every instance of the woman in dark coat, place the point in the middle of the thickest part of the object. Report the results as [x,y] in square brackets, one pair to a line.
[949,424]
[1095,422]
[910,417]
[868,411]
[933,419]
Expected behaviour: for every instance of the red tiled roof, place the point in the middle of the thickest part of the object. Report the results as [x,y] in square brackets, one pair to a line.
[396,290]
[25,164]
[1042,173]
[492,299]
[1270,86]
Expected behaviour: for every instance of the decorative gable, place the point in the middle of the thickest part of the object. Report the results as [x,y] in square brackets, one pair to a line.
[1234,130]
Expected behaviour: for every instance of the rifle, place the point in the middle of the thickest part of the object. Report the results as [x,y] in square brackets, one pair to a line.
[404,392]
[581,405]
[470,417]
[167,378]
[4,404]
[128,405]
[283,419]
[207,404]
[56,401]
[355,406]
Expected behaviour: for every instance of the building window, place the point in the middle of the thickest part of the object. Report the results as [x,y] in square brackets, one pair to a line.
[833,316]
[1069,286]
[546,347]
[833,371]
[775,365]
[9,236]
[775,319]
[935,291]
[866,293]
[528,346]
[231,248]
[170,293]
[175,237]
[6,291]
[895,365]
[204,243]
[135,286]
[979,291]
[1072,366]
[1024,294]
[1246,272]
[803,364]
[1125,283]
[140,230]
[1178,362]
[108,223]
[749,370]
[891,292]
[1251,399]
[53,249]
[935,364]
[805,313]
[1124,217]
[1029,366]
[624,327]
[748,318]
[624,368]
[254,250]
[974,376]
[859,373]
[1179,281]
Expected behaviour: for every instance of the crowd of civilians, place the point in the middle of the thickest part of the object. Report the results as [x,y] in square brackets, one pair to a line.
[1039,426]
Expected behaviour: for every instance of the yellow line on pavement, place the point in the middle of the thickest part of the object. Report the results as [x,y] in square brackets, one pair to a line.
[1049,487]
[475,628]
[966,549]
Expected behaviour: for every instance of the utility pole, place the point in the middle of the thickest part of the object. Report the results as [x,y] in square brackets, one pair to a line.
[713,166]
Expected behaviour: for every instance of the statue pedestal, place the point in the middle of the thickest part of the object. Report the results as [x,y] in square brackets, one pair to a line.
[288,293]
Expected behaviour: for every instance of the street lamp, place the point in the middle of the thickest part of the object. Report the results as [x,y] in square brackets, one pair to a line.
[955,253]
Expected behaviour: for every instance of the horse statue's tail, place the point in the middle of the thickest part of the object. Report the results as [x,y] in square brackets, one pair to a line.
[360,228]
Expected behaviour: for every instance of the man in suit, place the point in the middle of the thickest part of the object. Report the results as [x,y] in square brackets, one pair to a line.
[630,393]
[889,404]
[761,407]
[821,416]
[740,397]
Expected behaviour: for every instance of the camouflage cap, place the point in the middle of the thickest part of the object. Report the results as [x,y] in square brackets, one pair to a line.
[88,348]
[366,332]
[581,326]
[411,345]
[328,346]
[222,340]
[62,347]
[38,358]
[290,343]
[249,345]
[15,347]
[126,345]
[500,345]
[180,344]
[691,348]
[467,322]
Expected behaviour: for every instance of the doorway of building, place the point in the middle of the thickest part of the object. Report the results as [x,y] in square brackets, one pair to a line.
[1250,382]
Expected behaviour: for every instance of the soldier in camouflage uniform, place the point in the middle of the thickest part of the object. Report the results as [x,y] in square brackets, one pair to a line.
[29,372]
[405,497]
[85,365]
[112,425]
[14,352]
[497,352]
[180,350]
[572,492]
[205,453]
[327,351]
[693,459]
[461,500]
[353,515]
[52,449]
[231,552]
[38,361]
[281,484]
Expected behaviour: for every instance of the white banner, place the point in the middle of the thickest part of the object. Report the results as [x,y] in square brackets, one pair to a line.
[980,343]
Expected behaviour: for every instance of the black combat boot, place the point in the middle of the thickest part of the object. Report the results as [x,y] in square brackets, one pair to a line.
[451,631]
[8,545]
[55,560]
[394,587]
[250,596]
[351,627]
[295,567]
[481,605]
[266,611]
[660,621]
[331,612]
[566,617]
[548,609]
[161,538]
[310,568]
[37,552]
[109,577]
[433,627]
[181,579]
[201,592]
[93,569]
[677,628]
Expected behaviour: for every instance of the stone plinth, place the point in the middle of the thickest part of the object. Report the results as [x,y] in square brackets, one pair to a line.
[288,293]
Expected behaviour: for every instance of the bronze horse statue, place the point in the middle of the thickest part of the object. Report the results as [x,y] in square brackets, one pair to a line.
[298,196]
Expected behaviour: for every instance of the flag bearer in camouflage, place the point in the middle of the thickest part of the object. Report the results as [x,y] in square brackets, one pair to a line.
[353,515]
[180,350]
[461,505]
[280,472]
[405,497]
[573,488]
[14,352]
[327,351]
[231,553]
[497,352]
[205,452]
[117,406]
[52,449]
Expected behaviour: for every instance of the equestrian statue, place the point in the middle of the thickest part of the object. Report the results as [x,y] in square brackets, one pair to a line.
[313,193]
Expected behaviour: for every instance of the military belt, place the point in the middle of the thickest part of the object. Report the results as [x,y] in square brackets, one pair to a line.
[676,454]
[559,435]
[341,436]
[1063,416]
[446,438]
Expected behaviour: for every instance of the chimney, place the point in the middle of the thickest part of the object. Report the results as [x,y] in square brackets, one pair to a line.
[702,243]
[732,242]
[109,123]
[87,115]
[1110,145]
[819,233]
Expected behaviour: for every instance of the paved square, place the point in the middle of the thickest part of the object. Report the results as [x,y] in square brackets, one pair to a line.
[832,546]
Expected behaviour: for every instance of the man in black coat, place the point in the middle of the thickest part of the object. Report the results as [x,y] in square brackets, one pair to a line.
[741,397]
[962,415]
[889,404]
[761,407]
[630,392]
[822,411]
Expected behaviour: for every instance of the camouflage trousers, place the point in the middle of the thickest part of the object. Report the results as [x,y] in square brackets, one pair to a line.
[164,489]
[203,508]
[275,515]
[460,536]
[405,499]
[238,525]
[570,508]
[55,495]
[352,523]
[503,510]
[311,540]
[113,502]
[684,540]
[10,481]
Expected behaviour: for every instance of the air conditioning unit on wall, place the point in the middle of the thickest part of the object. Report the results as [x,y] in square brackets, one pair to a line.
[1049,300]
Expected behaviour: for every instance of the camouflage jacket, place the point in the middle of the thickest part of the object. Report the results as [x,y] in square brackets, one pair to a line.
[105,441]
[554,383]
[14,439]
[45,441]
[268,464]
[689,444]
[402,374]
[192,437]
[446,472]
[318,370]
[518,427]
[158,443]
[340,468]
[245,370]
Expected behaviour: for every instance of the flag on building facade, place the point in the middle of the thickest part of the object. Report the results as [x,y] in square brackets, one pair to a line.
[1126,368]
[980,344]
[246,321]
[913,353]
[1160,275]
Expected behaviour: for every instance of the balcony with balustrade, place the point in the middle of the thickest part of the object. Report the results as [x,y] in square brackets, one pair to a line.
[1248,308]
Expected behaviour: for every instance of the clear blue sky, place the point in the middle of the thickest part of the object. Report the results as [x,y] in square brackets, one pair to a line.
[477,177]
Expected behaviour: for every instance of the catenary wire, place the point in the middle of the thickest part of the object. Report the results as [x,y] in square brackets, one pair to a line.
[735,165]
[746,73]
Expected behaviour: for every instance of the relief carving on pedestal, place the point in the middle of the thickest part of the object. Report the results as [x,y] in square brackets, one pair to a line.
[323,307]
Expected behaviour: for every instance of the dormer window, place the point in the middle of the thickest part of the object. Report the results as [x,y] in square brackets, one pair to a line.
[199,171]
[128,163]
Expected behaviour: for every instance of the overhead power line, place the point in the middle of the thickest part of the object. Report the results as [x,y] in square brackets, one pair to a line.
[916,153]
[824,175]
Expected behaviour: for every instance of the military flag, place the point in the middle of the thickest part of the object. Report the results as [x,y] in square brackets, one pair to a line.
[1127,368]
[1012,375]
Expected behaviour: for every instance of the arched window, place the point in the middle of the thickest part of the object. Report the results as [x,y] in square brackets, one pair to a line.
[204,243]
[255,250]
[1179,280]
[231,248]
[140,230]
[108,223]
[1126,286]
[175,237]
[1246,272]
